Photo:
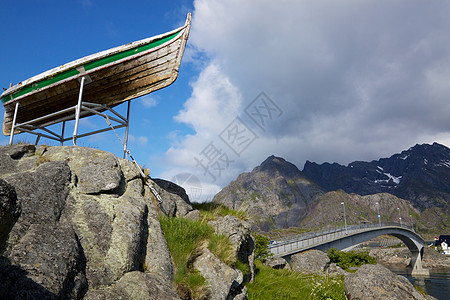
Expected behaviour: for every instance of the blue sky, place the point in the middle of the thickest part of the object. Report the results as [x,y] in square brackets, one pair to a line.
[40,35]
[325,81]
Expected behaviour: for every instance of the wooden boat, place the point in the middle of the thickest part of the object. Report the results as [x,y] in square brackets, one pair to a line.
[111,77]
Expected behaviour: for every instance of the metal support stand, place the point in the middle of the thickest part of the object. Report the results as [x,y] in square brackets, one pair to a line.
[82,109]
[77,111]
[126,130]
[62,131]
[14,123]
[86,108]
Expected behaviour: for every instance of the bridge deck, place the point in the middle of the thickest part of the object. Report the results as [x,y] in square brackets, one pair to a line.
[312,240]
[347,237]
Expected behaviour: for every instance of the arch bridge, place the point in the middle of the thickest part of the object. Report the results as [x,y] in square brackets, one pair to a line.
[345,238]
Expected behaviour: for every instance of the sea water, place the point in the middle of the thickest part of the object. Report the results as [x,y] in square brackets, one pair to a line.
[436,285]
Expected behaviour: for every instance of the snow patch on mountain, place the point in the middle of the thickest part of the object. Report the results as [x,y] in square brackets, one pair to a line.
[444,163]
[395,179]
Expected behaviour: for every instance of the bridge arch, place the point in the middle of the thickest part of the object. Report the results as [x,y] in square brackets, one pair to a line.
[348,239]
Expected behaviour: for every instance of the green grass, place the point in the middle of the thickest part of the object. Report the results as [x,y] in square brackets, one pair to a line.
[244,268]
[284,284]
[220,245]
[184,237]
[213,210]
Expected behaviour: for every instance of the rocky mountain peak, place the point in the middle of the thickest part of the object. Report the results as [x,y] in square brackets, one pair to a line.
[424,154]
[277,166]
[275,192]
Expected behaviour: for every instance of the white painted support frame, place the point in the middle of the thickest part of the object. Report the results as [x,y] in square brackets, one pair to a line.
[125,142]
[77,110]
[82,110]
[16,108]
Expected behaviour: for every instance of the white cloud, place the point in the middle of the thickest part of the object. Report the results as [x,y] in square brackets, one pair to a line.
[356,80]
[138,140]
[148,101]
[198,191]
[213,103]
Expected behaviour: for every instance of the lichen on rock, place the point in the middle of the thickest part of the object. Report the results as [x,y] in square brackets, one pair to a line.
[310,262]
[88,221]
[135,285]
[239,234]
[223,281]
[377,282]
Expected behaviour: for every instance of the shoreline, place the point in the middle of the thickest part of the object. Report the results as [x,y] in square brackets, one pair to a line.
[401,257]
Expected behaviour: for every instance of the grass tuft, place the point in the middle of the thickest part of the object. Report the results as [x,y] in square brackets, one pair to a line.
[220,245]
[285,284]
[184,238]
[213,210]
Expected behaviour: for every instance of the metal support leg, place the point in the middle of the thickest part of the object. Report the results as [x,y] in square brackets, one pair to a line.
[126,130]
[62,132]
[77,111]
[13,123]
[37,139]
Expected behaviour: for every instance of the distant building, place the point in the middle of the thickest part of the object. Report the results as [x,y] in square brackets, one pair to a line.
[442,239]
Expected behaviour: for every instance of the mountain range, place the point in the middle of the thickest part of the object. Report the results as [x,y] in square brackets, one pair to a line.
[420,174]
[412,186]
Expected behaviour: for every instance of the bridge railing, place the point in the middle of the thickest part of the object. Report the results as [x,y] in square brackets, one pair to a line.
[313,238]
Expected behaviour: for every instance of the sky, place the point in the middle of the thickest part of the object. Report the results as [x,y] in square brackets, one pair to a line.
[324,81]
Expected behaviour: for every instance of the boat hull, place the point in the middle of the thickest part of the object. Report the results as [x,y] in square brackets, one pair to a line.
[112,77]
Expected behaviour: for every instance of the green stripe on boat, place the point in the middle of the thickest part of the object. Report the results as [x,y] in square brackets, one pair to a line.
[112,58]
[88,66]
[43,83]
[4,99]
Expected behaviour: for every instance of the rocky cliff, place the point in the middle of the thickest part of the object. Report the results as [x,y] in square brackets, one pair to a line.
[79,223]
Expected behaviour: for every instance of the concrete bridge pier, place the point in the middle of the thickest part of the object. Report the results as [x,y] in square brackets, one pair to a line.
[415,266]
[415,246]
